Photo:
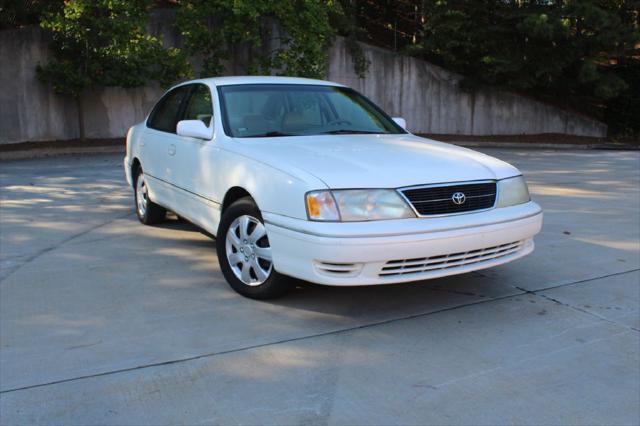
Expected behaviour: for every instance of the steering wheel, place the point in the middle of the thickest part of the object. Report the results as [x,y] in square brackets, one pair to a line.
[338,122]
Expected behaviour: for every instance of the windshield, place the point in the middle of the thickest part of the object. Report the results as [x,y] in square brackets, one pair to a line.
[270,110]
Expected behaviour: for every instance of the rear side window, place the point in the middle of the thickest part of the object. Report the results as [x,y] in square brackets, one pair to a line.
[165,114]
[199,105]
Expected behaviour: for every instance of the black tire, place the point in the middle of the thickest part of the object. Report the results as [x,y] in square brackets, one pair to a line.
[152,212]
[276,284]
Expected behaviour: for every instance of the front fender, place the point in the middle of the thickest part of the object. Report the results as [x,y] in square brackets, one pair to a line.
[274,190]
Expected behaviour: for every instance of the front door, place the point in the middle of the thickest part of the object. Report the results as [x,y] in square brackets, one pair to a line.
[160,145]
[192,165]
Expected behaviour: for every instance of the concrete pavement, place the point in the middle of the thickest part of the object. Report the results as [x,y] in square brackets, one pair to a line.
[106,321]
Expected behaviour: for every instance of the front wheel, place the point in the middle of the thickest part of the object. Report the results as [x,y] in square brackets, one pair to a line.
[244,253]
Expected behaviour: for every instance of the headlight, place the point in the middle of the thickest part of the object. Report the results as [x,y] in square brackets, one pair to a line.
[512,191]
[352,205]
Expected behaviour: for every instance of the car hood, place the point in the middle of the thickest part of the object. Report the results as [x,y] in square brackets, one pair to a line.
[375,161]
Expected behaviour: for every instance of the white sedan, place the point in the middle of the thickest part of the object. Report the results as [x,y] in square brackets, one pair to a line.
[309,179]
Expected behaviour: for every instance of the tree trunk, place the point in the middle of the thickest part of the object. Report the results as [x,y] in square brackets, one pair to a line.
[80,118]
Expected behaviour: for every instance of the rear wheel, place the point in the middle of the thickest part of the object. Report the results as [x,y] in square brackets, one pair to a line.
[244,253]
[147,211]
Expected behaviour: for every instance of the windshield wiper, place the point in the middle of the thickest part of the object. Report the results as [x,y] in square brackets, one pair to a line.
[270,134]
[349,132]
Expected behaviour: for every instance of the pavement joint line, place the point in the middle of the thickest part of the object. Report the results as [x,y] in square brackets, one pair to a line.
[46,250]
[260,345]
[553,287]
[584,311]
[301,338]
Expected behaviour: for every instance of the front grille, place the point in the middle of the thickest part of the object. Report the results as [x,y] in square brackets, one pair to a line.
[445,261]
[432,200]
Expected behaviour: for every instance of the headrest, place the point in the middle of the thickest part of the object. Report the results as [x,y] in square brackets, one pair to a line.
[293,122]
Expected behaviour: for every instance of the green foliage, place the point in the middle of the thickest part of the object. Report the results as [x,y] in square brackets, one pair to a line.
[104,43]
[580,53]
[344,18]
[18,13]
[622,113]
[289,37]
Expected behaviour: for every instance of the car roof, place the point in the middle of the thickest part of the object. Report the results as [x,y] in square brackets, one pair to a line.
[255,79]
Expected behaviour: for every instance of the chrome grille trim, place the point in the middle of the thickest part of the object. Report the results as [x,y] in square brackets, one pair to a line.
[447,199]
[436,199]
[445,261]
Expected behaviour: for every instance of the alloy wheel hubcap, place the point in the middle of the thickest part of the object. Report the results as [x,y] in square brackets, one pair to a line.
[141,195]
[248,250]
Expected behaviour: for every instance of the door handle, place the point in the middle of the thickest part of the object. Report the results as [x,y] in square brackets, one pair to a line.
[172,149]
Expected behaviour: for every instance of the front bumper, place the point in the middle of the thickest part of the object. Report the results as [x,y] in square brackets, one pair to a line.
[393,251]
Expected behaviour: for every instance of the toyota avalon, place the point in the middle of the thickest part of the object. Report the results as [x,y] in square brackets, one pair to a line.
[311,180]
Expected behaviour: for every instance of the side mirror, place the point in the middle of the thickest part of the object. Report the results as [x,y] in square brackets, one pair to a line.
[194,129]
[400,122]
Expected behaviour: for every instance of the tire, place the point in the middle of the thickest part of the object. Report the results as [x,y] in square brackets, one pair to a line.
[147,211]
[244,253]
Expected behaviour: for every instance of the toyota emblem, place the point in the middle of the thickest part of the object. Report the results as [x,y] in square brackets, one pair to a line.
[458,198]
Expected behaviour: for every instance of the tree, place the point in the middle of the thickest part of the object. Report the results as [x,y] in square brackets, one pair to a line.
[104,43]
[344,17]
[289,37]
[579,53]
[19,13]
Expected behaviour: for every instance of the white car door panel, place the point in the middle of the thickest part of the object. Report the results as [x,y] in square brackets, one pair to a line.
[190,163]
[191,166]
[159,147]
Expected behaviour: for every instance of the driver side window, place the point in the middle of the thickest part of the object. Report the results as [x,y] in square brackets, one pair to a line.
[199,106]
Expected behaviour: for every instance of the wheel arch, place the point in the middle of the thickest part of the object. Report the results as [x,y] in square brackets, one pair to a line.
[135,165]
[233,194]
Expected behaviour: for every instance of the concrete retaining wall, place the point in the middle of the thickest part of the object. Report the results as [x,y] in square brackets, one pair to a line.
[427,96]
[30,111]
[430,99]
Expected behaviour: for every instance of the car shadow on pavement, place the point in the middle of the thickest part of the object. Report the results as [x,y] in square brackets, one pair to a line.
[413,297]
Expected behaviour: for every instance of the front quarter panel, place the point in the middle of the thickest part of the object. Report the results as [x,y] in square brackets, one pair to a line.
[274,190]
